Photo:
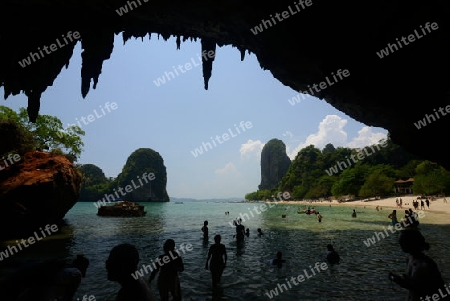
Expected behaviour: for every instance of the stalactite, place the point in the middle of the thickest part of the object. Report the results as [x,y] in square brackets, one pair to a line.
[178,42]
[207,62]
[242,54]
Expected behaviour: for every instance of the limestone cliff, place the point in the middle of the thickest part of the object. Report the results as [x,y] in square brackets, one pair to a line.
[145,175]
[274,164]
[35,191]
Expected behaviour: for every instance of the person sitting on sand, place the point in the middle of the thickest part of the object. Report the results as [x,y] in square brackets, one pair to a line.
[218,255]
[278,260]
[332,256]
[422,277]
[121,265]
[168,280]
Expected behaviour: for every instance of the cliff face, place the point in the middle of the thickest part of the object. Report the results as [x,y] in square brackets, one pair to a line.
[394,52]
[146,176]
[35,191]
[274,164]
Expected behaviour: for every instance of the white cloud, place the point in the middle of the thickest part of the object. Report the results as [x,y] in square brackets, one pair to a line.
[288,134]
[251,148]
[331,130]
[228,169]
[366,137]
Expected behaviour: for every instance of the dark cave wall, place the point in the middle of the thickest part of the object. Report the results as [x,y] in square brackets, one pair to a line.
[392,93]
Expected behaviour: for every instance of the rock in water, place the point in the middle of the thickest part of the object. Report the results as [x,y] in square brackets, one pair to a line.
[37,190]
[122,209]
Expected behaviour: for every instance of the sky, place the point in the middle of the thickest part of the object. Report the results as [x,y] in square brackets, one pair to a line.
[176,117]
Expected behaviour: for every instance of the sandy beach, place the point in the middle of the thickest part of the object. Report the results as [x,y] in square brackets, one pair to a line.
[438,213]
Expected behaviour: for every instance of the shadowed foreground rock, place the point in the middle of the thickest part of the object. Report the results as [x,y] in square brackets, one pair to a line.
[38,190]
[122,209]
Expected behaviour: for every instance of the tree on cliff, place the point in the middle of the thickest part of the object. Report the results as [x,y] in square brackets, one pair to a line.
[274,164]
[48,133]
[144,160]
[94,184]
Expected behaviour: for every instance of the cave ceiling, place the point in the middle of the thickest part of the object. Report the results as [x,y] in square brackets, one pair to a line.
[301,44]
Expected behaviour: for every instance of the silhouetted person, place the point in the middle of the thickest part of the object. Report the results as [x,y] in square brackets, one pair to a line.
[278,260]
[354,213]
[260,232]
[54,279]
[168,280]
[205,230]
[240,232]
[247,232]
[218,255]
[121,264]
[332,256]
[422,277]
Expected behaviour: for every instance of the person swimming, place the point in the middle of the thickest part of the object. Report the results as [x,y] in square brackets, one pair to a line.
[332,256]
[278,260]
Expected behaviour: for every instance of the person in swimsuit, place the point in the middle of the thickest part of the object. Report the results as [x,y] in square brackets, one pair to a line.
[217,258]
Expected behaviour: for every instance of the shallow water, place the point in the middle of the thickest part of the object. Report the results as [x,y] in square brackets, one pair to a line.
[362,274]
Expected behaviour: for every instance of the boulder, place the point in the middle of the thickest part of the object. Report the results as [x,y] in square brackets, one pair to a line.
[38,189]
[122,209]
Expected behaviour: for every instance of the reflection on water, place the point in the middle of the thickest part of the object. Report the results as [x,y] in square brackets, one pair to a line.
[362,274]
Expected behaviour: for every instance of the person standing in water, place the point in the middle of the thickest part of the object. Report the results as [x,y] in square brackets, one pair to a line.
[217,258]
[319,217]
[422,276]
[205,230]
[354,213]
[168,280]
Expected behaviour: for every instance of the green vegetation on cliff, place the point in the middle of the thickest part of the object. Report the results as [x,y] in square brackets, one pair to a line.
[336,172]
[143,161]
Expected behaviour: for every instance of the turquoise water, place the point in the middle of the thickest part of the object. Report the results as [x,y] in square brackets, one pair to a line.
[362,274]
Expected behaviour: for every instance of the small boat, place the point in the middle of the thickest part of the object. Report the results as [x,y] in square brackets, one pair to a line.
[178,202]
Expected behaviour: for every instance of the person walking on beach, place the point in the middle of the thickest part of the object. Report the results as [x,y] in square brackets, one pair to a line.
[168,280]
[393,217]
[422,276]
[422,205]
[217,258]
[427,201]
[121,264]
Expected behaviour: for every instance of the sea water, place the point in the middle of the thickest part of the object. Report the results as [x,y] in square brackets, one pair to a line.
[361,275]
